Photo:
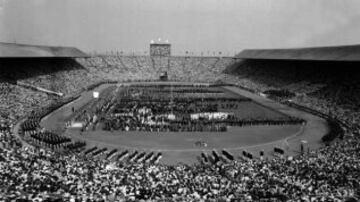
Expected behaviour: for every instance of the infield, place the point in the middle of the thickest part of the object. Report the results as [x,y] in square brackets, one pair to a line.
[180,146]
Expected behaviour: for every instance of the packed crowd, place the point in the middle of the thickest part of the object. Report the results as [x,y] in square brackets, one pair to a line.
[130,68]
[80,73]
[330,88]
[17,102]
[331,173]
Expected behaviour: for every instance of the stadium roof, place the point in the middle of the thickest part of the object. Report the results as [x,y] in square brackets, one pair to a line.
[332,53]
[12,50]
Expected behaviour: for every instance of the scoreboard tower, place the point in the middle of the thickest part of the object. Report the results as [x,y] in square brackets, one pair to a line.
[160,49]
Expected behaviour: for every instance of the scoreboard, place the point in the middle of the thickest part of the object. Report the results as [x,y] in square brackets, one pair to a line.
[160,49]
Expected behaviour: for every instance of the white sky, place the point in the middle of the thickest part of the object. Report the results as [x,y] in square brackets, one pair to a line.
[194,25]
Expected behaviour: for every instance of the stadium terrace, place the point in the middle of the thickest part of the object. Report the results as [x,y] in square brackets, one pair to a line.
[264,125]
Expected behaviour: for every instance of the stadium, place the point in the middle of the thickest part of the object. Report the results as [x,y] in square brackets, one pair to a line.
[260,125]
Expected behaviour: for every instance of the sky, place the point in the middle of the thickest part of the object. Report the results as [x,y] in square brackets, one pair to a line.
[197,26]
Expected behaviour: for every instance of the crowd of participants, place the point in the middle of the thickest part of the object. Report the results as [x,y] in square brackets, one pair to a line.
[43,138]
[151,109]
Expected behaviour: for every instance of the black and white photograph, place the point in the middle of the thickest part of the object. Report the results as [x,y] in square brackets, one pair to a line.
[179,100]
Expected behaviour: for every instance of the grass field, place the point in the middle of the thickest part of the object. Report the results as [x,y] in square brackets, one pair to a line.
[180,146]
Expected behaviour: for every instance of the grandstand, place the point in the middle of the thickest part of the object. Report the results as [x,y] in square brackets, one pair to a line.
[44,88]
[326,75]
[26,72]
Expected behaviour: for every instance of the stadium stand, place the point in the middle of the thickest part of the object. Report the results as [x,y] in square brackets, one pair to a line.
[37,173]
